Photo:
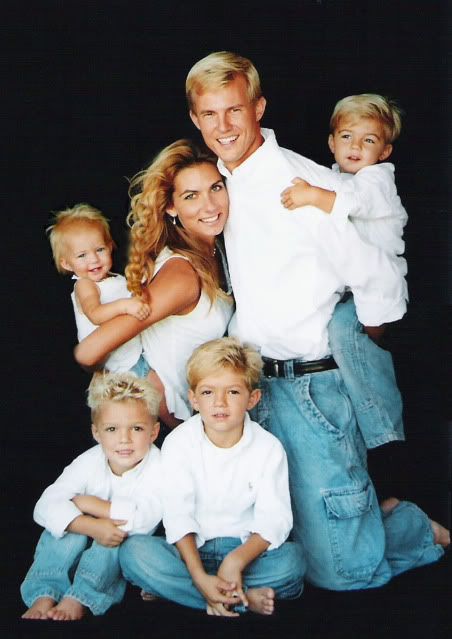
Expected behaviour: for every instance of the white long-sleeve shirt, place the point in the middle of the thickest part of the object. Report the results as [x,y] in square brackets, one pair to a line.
[134,496]
[225,492]
[287,267]
[378,213]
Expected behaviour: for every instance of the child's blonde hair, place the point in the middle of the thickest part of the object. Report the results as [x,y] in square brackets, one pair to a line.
[370,105]
[70,219]
[217,70]
[224,353]
[120,387]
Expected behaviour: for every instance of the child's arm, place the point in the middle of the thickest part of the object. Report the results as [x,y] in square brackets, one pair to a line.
[88,297]
[91,505]
[216,591]
[236,561]
[103,530]
[304,194]
[174,289]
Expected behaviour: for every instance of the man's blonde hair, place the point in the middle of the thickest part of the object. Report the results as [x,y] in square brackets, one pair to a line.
[120,387]
[370,105]
[70,219]
[224,353]
[216,71]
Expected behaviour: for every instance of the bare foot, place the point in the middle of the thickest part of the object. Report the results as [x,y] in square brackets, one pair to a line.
[440,534]
[387,505]
[261,600]
[40,608]
[67,610]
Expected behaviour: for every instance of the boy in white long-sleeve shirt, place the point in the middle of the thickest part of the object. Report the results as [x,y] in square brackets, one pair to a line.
[227,510]
[362,130]
[107,493]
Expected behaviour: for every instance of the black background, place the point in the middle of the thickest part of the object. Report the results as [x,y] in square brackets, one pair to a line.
[92,91]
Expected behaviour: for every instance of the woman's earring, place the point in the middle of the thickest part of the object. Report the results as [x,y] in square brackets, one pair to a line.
[173,218]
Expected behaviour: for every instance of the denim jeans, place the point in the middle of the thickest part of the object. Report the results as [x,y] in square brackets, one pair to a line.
[348,543]
[368,374]
[67,567]
[151,563]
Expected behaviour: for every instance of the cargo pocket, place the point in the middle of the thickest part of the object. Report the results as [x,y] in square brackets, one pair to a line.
[355,530]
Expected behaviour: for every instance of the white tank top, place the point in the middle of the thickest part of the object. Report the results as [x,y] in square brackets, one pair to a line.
[169,343]
[124,357]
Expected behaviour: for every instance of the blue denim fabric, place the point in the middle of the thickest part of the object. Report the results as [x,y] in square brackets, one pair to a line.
[65,567]
[368,374]
[336,515]
[141,368]
[156,566]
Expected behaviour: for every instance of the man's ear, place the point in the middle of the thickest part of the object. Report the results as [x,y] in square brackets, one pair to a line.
[261,103]
[385,153]
[331,143]
[255,396]
[194,119]
[192,399]
[95,432]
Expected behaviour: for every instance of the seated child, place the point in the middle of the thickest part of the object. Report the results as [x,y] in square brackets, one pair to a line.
[106,494]
[227,508]
[363,128]
[82,244]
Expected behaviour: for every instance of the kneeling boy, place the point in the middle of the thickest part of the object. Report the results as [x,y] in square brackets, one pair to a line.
[104,495]
[227,508]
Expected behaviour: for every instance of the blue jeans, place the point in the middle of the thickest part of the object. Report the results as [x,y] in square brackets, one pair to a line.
[152,564]
[66,567]
[348,543]
[368,374]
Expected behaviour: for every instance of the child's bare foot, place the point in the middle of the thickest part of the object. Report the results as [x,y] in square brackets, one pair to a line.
[261,600]
[40,608]
[387,505]
[68,609]
[148,596]
[440,534]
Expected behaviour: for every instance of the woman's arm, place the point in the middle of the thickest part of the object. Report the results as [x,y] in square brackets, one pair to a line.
[175,290]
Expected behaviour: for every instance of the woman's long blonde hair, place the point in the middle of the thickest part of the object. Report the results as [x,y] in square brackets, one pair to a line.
[151,192]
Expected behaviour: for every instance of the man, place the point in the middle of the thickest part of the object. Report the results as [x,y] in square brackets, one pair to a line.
[286,271]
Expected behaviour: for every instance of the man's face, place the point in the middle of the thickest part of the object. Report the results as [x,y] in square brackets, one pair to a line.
[229,121]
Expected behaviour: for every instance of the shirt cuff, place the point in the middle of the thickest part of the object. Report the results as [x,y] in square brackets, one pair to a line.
[180,526]
[123,508]
[373,315]
[67,512]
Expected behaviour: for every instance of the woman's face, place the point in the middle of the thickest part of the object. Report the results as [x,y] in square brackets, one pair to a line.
[200,201]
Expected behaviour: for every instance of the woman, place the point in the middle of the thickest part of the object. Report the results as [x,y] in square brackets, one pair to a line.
[179,205]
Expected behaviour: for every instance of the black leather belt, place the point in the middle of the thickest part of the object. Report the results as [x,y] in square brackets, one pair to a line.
[280,368]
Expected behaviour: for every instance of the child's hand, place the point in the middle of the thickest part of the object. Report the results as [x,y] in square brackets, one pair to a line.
[134,306]
[230,570]
[298,195]
[218,595]
[107,532]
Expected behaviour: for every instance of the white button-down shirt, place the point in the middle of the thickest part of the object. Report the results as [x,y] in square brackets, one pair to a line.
[288,267]
[225,492]
[134,496]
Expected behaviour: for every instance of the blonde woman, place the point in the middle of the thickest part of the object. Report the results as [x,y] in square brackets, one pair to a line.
[179,206]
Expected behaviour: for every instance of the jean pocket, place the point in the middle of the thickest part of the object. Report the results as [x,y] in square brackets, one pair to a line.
[327,402]
[355,531]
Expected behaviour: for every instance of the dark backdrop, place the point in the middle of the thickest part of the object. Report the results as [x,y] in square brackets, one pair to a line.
[92,91]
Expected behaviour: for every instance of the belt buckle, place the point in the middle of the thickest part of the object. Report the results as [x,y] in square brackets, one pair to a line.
[276,369]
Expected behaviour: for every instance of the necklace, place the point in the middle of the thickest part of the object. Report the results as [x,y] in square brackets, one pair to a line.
[214,252]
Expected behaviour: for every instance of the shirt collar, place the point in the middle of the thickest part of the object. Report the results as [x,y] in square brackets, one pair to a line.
[255,160]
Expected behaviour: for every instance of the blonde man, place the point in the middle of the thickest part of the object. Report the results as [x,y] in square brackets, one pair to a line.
[227,511]
[304,261]
[107,493]
[82,245]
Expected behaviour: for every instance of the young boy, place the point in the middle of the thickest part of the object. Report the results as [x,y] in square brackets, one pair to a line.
[106,494]
[227,509]
[362,130]
[82,245]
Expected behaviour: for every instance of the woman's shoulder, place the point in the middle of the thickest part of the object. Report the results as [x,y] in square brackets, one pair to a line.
[164,256]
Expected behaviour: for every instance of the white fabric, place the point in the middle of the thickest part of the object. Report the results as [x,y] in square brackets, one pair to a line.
[378,215]
[168,344]
[225,492]
[134,496]
[111,289]
[287,267]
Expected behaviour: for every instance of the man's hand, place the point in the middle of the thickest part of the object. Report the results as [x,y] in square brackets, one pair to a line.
[375,332]
[107,532]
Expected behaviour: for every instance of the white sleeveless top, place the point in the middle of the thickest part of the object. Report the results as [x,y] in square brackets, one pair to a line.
[111,289]
[169,343]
